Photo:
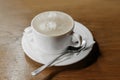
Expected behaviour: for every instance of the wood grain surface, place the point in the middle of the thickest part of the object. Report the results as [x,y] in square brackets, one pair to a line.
[101,17]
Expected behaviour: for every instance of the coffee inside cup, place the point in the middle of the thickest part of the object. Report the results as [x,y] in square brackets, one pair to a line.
[52,23]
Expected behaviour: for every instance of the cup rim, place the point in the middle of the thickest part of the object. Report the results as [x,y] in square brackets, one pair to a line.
[69,31]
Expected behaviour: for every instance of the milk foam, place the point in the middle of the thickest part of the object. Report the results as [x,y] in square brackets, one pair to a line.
[51,14]
[53,23]
[47,26]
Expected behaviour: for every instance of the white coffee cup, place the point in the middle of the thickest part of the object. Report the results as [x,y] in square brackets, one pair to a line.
[55,43]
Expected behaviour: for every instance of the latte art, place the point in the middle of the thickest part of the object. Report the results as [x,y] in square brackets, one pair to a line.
[53,23]
[48,26]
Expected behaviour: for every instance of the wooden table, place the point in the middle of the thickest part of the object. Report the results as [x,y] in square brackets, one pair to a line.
[101,17]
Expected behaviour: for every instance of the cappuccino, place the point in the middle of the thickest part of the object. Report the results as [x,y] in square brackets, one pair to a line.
[53,23]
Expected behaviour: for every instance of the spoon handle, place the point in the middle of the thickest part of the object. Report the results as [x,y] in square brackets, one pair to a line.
[40,69]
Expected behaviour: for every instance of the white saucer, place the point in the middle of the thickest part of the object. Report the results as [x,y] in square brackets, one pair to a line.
[40,57]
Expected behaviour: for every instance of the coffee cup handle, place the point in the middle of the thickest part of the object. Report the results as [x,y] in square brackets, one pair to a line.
[78,43]
[76,40]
